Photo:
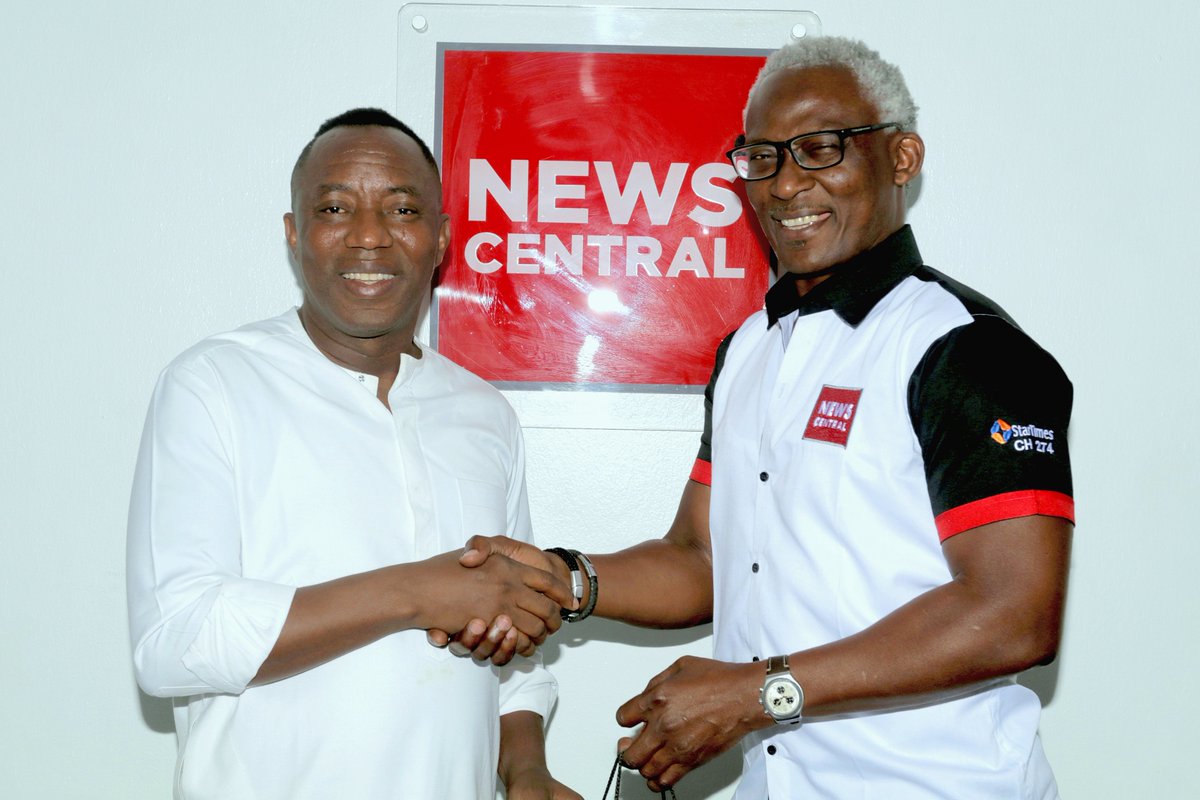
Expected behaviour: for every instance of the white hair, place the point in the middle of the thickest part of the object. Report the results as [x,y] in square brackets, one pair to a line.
[881,82]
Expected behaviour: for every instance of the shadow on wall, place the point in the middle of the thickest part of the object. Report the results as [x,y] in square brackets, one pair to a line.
[157,712]
[1042,680]
[717,774]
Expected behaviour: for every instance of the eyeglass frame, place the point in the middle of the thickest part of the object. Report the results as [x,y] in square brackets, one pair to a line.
[780,147]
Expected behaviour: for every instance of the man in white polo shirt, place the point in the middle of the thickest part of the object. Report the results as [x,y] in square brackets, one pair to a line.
[302,492]
[879,521]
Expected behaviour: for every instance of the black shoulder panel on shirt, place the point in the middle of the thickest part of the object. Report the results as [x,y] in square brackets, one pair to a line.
[705,453]
[976,304]
[990,409]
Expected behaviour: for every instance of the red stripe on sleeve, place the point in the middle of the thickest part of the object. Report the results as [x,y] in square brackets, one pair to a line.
[1004,506]
[702,472]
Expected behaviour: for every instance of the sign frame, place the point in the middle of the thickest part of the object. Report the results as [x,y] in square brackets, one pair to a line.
[426,30]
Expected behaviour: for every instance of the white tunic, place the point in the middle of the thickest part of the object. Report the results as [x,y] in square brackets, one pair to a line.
[264,467]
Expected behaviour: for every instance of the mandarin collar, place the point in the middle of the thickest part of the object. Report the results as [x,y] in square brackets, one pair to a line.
[854,287]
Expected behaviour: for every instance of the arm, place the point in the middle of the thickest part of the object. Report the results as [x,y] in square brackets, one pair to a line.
[198,625]
[999,614]
[522,766]
[661,583]
[330,619]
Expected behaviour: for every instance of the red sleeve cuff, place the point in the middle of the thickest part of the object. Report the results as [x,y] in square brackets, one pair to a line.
[702,472]
[1004,506]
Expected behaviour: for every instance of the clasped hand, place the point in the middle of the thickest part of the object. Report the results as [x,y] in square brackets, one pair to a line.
[505,636]
[523,601]
[690,712]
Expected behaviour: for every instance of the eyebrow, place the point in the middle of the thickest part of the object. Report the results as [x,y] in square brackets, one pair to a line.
[345,187]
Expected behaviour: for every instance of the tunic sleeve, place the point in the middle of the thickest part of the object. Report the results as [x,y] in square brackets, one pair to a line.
[196,624]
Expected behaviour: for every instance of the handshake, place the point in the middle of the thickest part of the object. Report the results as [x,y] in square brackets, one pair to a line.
[519,595]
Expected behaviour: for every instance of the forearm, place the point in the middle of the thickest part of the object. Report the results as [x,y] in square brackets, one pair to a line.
[522,746]
[936,646]
[656,584]
[996,617]
[330,619]
[663,583]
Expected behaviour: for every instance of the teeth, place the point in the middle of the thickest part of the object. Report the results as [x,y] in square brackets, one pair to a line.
[800,222]
[366,277]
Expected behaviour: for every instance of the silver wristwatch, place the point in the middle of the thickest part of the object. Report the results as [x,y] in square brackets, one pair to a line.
[781,696]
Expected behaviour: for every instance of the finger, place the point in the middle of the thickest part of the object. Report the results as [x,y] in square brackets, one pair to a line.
[640,750]
[623,745]
[671,776]
[531,625]
[525,646]
[437,638]
[500,627]
[469,637]
[550,585]
[655,769]
[475,551]
[507,649]
[632,711]
[541,606]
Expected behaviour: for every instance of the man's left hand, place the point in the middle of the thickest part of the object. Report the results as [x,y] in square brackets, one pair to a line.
[694,710]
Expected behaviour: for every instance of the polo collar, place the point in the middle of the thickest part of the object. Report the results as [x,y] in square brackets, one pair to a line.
[856,285]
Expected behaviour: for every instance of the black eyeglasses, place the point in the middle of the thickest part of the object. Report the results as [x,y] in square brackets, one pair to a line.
[817,150]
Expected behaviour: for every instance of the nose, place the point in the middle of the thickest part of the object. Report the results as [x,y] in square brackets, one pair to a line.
[369,230]
[791,179]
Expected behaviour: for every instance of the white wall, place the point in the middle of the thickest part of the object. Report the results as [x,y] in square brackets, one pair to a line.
[145,152]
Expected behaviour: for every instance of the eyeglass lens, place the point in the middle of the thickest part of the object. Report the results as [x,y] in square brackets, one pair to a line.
[817,151]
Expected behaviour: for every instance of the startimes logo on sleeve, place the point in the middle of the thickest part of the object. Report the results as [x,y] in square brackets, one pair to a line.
[1023,437]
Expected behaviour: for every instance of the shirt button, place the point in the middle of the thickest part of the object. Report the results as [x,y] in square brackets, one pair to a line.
[754,567]
[771,749]
[762,476]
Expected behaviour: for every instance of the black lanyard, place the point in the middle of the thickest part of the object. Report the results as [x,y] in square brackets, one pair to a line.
[616,773]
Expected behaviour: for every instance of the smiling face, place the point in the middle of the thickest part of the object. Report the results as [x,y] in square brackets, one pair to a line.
[816,219]
[367,231]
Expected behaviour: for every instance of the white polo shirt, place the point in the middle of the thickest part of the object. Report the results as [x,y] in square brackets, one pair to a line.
[904,409]
[264,467]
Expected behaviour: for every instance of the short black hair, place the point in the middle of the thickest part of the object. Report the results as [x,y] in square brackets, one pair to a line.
[357,117]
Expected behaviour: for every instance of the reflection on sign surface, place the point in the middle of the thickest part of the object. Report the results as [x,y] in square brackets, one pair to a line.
[600,237]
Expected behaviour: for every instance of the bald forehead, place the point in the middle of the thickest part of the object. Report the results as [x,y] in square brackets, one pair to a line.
[365,146]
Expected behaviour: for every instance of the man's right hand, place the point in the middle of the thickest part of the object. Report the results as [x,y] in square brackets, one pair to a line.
[500,640]
[517,597]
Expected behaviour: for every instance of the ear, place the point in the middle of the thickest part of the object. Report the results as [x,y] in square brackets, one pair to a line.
[443,237]
[908,154]
[289,230]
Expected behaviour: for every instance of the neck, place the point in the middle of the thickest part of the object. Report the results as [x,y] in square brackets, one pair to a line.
[376,355]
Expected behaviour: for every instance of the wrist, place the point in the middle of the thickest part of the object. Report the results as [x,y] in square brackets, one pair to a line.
[529,772]
[781,697]
[581,575]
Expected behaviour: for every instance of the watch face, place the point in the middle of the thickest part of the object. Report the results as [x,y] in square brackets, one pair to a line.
[783,698]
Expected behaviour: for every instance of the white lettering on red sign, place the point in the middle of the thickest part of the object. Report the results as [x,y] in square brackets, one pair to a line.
[562,182]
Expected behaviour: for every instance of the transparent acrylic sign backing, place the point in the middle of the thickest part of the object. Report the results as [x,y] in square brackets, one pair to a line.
[600,238]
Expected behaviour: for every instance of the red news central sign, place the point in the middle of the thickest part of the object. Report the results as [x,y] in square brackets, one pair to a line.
[600,237]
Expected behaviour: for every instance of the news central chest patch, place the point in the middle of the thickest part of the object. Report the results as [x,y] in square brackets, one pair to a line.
[1023,438]
[833,415]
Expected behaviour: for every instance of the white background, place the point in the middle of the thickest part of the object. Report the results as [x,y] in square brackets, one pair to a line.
[145,153]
